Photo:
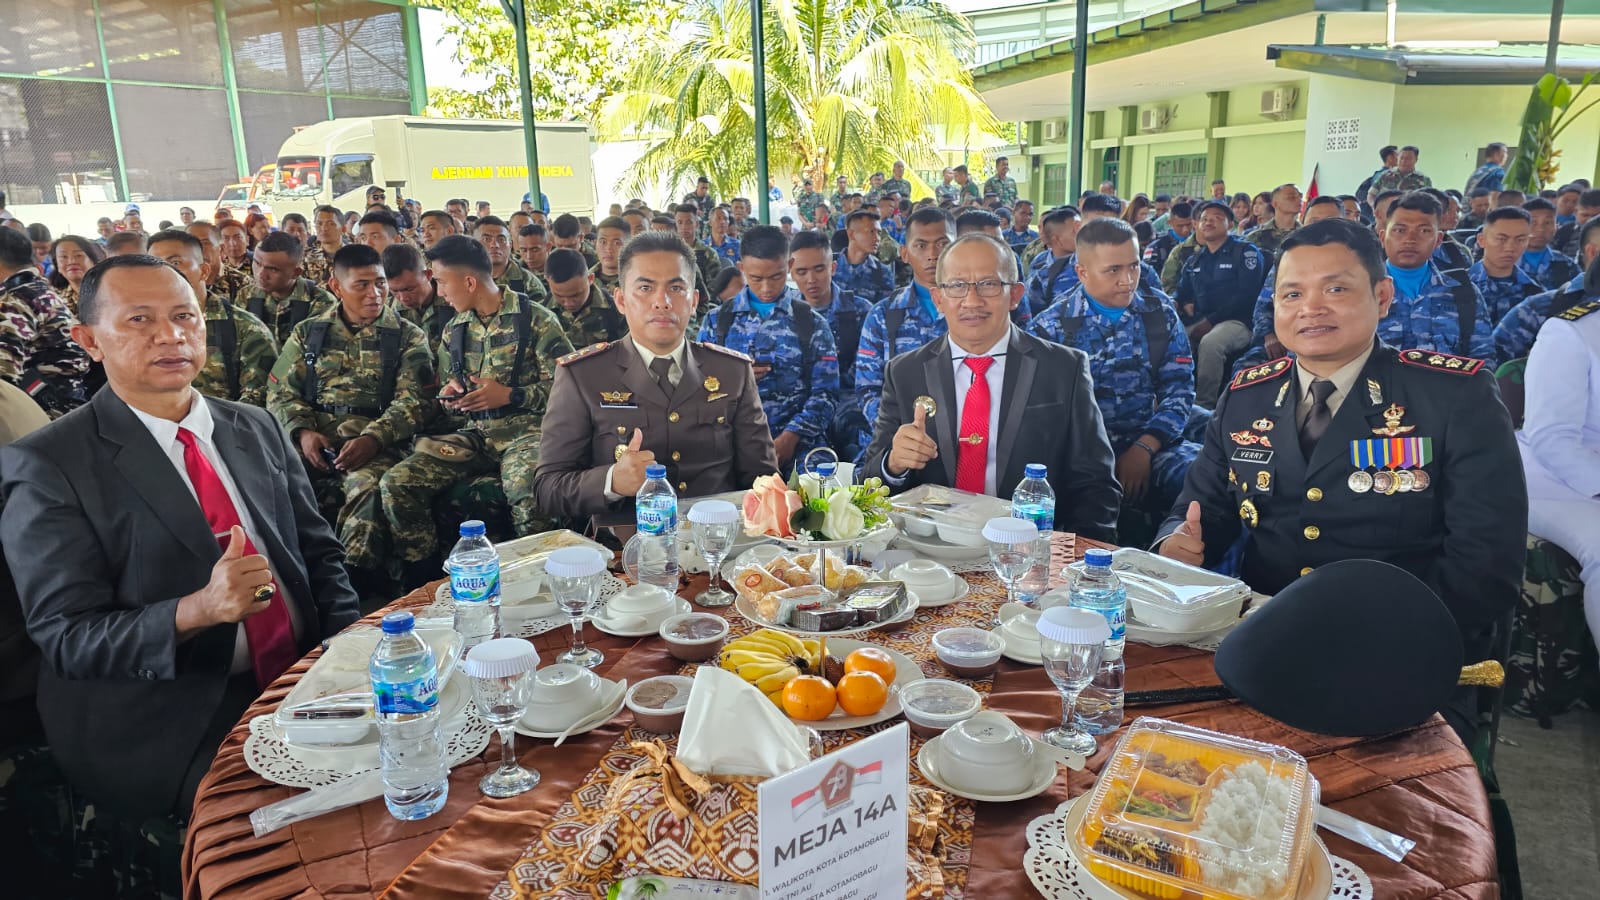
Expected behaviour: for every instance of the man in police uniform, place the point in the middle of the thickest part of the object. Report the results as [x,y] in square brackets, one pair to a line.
[495,363]
[796,362]
[652,396]
[411,283]
[1216,292]
[585,311]
[281,297]
[1356,449]
[240,351]
[352,387]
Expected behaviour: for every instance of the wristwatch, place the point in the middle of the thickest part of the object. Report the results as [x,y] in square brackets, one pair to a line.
[519,398]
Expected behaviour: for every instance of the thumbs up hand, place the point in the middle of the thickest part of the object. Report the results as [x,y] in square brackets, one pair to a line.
[1186,544]
[912,447]
[627,476]
[230,594]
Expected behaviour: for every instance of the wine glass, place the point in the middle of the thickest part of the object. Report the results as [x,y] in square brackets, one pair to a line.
[574,574]
[1013,549]
[1070,642]
[503,675]
[714,524]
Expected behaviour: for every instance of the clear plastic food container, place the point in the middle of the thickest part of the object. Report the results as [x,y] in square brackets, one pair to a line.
[1181,811]
[1172,596]
[957,516]
[522,561]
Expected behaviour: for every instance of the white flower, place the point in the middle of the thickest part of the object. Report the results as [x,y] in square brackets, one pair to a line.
[843,520]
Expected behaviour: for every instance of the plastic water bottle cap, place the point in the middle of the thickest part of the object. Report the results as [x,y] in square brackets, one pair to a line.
[398,623]
[501,658]
[1035,470]
[1007,530]
[714,512]
[1069,625]
[471,528]
[575,562]
[655,470]
[1097,558]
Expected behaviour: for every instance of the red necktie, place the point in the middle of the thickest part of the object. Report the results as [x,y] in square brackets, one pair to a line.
[972,454]
[269,632]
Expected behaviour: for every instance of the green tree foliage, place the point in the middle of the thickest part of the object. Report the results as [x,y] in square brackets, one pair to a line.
[576,48]
[1552,107]
[852,85]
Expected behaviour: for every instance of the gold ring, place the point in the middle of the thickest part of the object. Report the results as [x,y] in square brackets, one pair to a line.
[265,592]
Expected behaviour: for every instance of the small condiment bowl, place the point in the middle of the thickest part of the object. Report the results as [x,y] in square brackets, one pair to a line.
[932,580]
[658,703]
[565,690]
[986,754]
[934,704]
[961,536]
[968,652]
[694,636]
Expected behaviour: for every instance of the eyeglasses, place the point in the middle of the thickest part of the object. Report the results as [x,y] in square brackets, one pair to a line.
[988,288]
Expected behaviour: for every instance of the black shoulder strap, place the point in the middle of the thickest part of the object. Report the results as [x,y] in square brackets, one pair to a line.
[523,323]
[224,335]
[389,363]
[316,336]
[805,325]
[893,318]
[257,306]
[849,336]
[458,353]
[1069,329]
[1466,297]
[1157,335]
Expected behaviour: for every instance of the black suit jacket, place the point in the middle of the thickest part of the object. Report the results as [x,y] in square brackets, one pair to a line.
[1464,535]
[1047,415]
[103,538]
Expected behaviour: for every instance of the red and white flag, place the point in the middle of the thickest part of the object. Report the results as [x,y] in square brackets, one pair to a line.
[1311,189]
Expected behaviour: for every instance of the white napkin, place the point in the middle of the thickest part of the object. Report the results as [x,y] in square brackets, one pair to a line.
[730,728]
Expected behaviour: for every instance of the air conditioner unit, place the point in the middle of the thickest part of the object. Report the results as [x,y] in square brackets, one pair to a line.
[1155,119]
[1278,103]
[1055,130]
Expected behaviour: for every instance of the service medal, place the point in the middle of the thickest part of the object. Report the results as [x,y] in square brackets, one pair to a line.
[1248,514]
[1420,480]
[1383,481]
[1404,481]
[1359,481]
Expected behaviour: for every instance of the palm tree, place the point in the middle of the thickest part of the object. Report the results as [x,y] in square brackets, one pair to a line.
[852,85]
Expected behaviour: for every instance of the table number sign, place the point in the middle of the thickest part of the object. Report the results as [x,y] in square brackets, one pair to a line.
[835,828]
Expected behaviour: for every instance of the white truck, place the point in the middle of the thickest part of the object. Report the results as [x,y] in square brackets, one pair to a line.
[432,161]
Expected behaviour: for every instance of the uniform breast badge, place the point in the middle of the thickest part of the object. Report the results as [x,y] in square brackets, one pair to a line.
[1262,424]
[1263,481]
[713,385]
[1248,513]
[617,400]
[1391,422]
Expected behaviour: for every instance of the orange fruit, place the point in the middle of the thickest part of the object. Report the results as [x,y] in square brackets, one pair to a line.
[809,698]
[871,659]
[862,693]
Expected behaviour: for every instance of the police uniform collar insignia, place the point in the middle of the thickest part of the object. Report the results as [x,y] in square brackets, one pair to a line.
[1441,362]
[1282,393]
[1258,374]
[1374,392]
[1391,422]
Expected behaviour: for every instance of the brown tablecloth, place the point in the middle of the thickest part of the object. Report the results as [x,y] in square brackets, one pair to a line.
[1420,783]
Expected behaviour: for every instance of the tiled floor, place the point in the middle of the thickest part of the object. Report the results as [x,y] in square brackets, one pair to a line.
[1551,781]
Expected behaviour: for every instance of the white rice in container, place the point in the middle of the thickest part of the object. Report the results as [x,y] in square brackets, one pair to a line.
[1244,822]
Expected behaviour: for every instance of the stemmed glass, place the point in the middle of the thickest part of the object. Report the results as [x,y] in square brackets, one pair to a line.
[503,675]
[574,574]
[715,525]
[1013,549]
[1071,641]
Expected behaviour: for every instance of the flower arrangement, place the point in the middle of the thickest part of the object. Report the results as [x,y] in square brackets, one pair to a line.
[803,510]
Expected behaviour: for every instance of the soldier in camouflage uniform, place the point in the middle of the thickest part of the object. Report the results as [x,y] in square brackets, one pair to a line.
[1285,210]
[610,235]
[722,240]
[37,352]
[860,269]
[837,199]
[1498,276]
[586,312]
[796,361]
[417,297]
[281,297]
[235,246]
[1144,400]
[1513,337]
[566,233]
[211,243]
[327,239]
[807,202]
[1001,184]
[811,270]
[898,184]
[356,383]
[240,351]
[496,363]
[495,236]
[686,219]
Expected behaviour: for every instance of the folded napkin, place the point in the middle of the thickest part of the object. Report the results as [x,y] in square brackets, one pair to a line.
[730,728]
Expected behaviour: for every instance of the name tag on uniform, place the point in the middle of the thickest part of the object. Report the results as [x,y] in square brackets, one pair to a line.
[617,400]
[1224,265]
[1251,455]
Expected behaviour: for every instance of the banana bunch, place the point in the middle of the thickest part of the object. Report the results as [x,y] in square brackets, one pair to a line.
[771,659]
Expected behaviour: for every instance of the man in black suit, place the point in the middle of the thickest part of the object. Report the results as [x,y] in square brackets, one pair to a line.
[167,549]
[1002,399]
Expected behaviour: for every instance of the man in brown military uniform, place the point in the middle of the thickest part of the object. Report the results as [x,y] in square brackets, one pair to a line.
[652,396]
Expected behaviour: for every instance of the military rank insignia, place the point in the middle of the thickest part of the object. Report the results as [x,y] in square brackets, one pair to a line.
[1441,362]
[1258,374]
[1577,312]
[585,353]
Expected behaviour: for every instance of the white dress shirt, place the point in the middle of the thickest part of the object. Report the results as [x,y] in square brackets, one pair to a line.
[996,378]
[674,375]
[199,422]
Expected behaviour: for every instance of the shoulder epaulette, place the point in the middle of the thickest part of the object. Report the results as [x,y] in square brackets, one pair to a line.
[1575,313]
[1258,374]
[585,353]
[718,348]
[1441,362]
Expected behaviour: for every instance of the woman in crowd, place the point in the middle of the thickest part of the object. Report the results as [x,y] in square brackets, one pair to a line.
[1137,210]
[256,227]
[72,256]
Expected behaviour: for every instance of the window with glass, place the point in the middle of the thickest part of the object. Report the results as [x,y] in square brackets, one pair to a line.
[1183,176]
[350,173]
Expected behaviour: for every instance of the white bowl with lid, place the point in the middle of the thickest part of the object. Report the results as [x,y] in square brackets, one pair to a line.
[987,754]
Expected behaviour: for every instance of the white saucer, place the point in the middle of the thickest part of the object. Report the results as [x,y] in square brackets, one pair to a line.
[682,606]
[524,727]
[1044,774]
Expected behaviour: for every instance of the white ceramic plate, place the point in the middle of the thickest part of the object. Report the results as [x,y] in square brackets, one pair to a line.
[533,728]
[1044,774]
[1316,876]
[906,671]
[943,551]
[682,606]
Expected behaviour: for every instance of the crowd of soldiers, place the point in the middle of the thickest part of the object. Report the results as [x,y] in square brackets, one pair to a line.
[410,352]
